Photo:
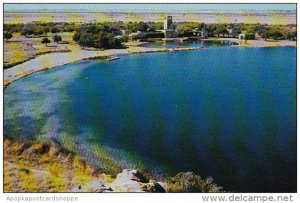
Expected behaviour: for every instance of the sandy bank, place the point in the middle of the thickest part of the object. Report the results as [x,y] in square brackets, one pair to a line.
[256,43]
[51,60]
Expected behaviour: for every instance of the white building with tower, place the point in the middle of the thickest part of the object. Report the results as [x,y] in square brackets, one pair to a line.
[168,30]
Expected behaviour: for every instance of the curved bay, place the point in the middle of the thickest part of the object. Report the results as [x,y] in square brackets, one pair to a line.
[229,113]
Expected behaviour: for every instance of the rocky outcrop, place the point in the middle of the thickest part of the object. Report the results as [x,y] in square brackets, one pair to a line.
[127,181]
[133,181]
[44,166]
[93,186]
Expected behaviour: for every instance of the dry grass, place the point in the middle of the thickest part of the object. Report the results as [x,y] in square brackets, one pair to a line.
[33,166]
[21,49]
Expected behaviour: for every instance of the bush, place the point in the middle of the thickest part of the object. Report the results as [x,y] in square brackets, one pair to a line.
[250,36]
[45,41]
[54,30]
[125,38]
[190,182]
[76,37]
[7,35]
[57,38]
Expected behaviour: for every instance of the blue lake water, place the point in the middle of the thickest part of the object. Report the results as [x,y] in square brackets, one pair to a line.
[228,112]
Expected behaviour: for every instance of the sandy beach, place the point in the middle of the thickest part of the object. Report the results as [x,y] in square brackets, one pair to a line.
[256,43]
[51,60]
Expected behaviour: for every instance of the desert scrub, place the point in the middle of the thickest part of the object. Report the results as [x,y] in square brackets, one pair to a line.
[56,169]
[190,182]
[28,181]
[58,184]
[43,166]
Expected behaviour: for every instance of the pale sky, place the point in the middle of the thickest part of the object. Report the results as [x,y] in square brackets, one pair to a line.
[152,7]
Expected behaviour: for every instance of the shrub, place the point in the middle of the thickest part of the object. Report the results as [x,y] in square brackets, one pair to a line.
[250,36]
[190,182]
[45,41]
[57,38]
[54,30]
[7,35]
[55,169]
[76,37]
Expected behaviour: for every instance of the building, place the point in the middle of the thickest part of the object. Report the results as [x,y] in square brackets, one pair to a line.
[242,36]
[170,33]
[133,36]
[124,32]
[168,30]
[168,22]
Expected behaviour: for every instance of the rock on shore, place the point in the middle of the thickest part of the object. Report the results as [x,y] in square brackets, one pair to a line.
[133,181]
[43,166]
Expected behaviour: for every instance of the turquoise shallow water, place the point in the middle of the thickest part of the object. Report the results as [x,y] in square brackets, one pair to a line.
[228,112]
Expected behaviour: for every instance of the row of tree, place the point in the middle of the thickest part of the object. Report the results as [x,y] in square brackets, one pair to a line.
[98,36]
[102,35]
[234,29]
[56,38]
[39,29]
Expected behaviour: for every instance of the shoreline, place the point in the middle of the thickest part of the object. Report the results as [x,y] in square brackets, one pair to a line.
[46,61]
[46,166]
[76,54]
[258,43]
[34,161]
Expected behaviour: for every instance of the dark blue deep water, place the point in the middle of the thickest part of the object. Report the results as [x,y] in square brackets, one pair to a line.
[228,112]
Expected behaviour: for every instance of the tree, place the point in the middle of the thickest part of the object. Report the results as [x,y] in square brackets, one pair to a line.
[86,40]
[265,34]
[158,26]
[40,32]
[29,29]
[210,30]
[57,38]
[46,30]
[277,34]
[236,29]
[294,35]
[220,29]
[142,26]
[54,30]
[263,31]
[202,26]
[76,36]
[7,35]
[125,38]
[45,41]
[249,36]
[99,36]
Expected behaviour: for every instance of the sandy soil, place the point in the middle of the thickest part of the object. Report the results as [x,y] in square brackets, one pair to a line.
[208,17]
[51,60]
[257,43]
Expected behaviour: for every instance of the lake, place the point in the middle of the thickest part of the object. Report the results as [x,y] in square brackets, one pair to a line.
[225,112]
